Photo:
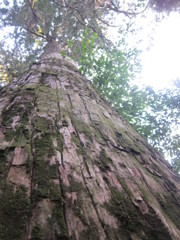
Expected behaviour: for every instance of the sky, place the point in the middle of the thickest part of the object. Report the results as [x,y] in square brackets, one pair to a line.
[159,42]
[161,63]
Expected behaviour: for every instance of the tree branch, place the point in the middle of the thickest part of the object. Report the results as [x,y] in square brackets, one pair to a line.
[126,13]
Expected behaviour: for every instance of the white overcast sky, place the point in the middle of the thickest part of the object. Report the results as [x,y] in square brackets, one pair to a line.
[159,42]
[161,63]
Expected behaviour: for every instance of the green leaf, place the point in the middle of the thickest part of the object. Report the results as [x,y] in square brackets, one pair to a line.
[63,54]
[70,43]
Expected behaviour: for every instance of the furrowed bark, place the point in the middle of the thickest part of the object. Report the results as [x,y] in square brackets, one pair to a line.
[72,168]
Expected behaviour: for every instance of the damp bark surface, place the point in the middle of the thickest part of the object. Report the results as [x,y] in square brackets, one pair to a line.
[72,168]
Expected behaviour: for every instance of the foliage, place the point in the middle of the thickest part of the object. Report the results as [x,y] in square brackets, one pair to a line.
[159,122]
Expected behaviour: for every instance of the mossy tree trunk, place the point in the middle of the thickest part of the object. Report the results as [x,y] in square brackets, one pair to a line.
[72,168]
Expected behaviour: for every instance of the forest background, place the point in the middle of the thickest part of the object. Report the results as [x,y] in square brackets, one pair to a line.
[83,28]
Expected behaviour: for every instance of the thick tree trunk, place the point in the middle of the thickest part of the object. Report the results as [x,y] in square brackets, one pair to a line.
[72,168]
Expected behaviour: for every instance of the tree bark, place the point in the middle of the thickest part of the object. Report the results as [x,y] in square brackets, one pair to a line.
[72,168]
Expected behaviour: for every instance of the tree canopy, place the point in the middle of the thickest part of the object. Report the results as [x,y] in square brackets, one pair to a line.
[81,29]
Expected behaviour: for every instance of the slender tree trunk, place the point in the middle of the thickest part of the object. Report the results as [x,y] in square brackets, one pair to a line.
[72,168]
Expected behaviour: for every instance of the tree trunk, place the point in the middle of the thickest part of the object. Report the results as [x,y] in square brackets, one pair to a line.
[72,168]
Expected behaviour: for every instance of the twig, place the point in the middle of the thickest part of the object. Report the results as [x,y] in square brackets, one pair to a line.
[126,13]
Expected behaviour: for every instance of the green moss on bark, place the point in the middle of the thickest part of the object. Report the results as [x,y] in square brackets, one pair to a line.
[91,232]
[170,206]
[64,123]
[104,161]
[77,206]
[36,233]
[21,109]
[4,165]
[75,186]
[44,172]
[79,145]
[61,227]
[130,218]
[124,185]
[82,127]
[43,145]
[14,211]
[29,161]
[2,162]
[42,124]
[154,228]
[20,134]
[60,141]
[121,206]
[43,180]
